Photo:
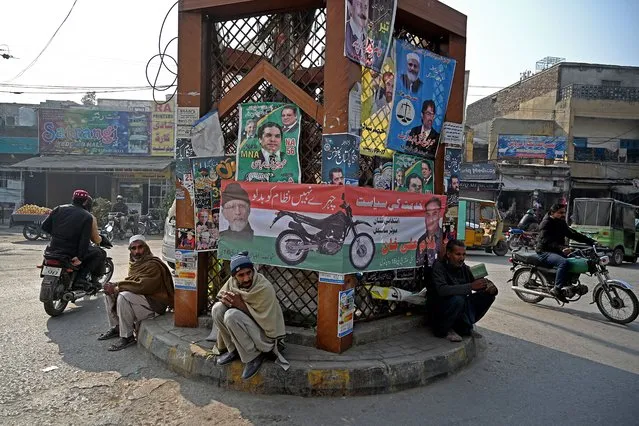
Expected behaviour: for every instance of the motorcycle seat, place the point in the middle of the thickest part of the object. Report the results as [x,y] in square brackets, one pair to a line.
[528,258]
[516,231]
[318,223]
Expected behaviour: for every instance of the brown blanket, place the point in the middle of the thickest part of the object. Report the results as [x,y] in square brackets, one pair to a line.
[150,277]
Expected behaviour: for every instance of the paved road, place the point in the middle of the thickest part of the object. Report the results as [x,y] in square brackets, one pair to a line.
[538,364]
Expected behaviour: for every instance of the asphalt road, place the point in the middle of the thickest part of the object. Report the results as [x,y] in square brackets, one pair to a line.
[538,364]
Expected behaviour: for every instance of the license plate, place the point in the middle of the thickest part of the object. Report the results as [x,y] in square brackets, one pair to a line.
[51,271]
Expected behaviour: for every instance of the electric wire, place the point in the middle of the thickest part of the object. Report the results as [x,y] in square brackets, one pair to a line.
[162,55]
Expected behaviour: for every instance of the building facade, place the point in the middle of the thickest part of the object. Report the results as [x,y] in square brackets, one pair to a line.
[569,131]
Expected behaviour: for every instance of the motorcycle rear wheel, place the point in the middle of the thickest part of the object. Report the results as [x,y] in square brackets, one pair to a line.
[623,300]
[142,228]
[109,267]
[362,251]
[521,277]
[514,242]
[282,248]
[55,307]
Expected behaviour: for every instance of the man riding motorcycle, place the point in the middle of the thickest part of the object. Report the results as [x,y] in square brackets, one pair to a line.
[72,227]
[121,207]
[551,245]
[527,220]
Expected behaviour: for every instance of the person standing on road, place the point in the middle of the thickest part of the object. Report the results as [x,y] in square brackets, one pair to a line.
[457,300]
[147,291]
[248,318]
[551,245]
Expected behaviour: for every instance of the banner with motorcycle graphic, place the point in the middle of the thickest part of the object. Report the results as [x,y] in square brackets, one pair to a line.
[268,142]
[208,173]
[327,228]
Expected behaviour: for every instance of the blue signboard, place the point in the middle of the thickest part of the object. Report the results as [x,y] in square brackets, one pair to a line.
[531,146]
[18,145]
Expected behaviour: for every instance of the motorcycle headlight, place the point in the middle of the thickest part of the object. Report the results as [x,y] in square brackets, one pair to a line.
[604,260]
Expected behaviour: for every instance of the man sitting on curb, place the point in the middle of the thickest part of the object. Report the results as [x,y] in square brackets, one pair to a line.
[459,300]
[248,318]
[146,292]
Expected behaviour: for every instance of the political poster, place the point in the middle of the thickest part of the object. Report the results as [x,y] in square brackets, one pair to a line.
[208,173]
[185,277]
[184,119]
[94,132]
[382,173]
[413,174]
[329,228]
[368,31]
[184,193]
[376,105]
[422,87]
[531,146]
[452,171]
[340,159]
[268,142]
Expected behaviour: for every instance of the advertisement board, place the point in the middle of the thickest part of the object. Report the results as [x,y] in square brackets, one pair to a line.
[531,146]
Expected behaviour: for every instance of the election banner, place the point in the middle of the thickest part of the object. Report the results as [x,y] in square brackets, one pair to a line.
[208,173]
[340,159]
[531,146]
[413,174]
[184,193]
[268,142]
[368,31]
[452,169]
[94,132]
[329,228]
[422,87]
[376,106]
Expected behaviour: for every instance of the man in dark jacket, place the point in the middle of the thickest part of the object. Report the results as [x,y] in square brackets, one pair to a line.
[457,300]
[551,245]
[527,220]
[72,227]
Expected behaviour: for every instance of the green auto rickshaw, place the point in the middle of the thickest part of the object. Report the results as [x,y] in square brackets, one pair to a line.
[612,223]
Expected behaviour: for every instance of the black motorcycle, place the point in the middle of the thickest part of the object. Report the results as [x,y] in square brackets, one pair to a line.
[149,225]
[294,244]
[518,238]
[60,281]
[532,281]
[113,228]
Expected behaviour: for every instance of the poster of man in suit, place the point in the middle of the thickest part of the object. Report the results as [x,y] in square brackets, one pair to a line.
[271,153]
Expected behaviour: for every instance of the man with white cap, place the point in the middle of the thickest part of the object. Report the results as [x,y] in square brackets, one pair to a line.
[248,318]
[410,79]
[147,291]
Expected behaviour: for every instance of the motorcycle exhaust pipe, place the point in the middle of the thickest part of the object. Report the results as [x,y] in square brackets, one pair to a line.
[72,296]
[529,291]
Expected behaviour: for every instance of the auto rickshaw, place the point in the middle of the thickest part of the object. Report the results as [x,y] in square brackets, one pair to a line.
[479,225]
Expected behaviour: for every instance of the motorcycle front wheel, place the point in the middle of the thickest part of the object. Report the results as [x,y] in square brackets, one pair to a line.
[514,242]
[525,277]
[618,304]
[30,232]
[362,251]
[142,228]
[285,246]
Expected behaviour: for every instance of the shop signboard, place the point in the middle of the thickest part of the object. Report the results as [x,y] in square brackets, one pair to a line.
[531,146]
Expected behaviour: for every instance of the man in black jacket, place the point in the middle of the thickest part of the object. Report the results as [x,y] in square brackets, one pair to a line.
[457,300]
[551,245]
[72,227]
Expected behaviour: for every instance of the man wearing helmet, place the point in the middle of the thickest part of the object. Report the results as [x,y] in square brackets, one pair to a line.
[72,227]
[528,220]
[121,207]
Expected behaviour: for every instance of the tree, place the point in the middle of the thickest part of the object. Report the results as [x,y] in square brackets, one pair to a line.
[89,99]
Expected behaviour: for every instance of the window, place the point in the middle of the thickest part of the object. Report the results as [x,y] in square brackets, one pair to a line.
[592,213]
[631,147]
[590,152]
[611,83]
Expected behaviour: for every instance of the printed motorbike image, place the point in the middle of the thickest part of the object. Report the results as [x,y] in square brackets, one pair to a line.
[294,244]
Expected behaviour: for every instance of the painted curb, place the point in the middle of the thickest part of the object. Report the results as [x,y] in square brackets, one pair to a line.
[308,378]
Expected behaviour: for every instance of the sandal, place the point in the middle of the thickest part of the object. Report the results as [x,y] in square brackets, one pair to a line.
[453,337]
[124,342]
[110,334]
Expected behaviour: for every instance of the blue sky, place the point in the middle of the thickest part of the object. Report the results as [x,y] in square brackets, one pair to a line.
[108,43]
[506,37]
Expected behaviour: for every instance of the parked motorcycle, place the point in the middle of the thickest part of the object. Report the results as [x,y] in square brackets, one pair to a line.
[148,226]
[59,281]
[518,239]
[294,244]
[532,282]
[113,226]
[33,231]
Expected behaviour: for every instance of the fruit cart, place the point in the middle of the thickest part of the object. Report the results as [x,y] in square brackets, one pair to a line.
[31,217]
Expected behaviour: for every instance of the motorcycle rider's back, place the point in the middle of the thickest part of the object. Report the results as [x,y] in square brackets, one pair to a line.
[70,228]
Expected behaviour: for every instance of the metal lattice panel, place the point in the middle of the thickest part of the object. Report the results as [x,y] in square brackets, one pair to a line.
[294,43]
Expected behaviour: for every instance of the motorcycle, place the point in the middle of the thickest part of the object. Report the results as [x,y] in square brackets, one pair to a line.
[33,231]
[294,244]
[518,239]
[532,282]
[114,229]
[59,281]
[148,226]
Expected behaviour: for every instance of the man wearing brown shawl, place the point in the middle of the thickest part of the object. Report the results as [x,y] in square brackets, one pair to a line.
[147,291]
[248,318]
